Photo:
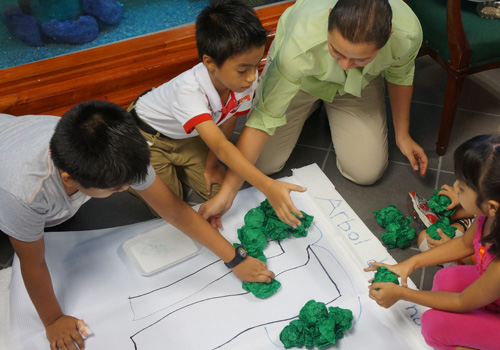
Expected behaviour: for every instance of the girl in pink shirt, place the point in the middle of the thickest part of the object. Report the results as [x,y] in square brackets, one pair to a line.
[465,299]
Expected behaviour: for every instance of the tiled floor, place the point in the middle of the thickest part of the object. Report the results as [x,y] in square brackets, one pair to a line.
[479,112]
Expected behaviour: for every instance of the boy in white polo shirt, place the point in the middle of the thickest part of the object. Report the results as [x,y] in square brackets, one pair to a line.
[188,120]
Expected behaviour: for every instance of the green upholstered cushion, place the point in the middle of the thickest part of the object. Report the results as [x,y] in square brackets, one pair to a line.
[483,34]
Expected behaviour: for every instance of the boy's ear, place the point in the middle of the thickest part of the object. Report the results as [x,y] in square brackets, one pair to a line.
[209,63]
[67,180]
[493,207]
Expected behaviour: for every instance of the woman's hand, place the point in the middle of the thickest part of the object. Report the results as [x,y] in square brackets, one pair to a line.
[414,153]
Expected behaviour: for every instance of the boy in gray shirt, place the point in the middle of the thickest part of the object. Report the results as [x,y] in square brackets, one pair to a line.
[50,166]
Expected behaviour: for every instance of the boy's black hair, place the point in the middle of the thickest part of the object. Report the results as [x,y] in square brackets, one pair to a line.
[226,28]
[362,21]
[477,165]
[98,144]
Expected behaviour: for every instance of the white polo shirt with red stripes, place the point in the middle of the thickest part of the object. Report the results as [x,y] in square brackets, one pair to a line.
[177,106]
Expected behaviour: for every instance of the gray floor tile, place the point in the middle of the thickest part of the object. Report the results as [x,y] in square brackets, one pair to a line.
[193,198]
[429,82]
[316,131]
[302,156]
[469,124]
[428,278]
[481,92]
[6,251]
[424,127]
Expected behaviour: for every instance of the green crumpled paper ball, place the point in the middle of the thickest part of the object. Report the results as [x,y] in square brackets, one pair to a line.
[316,326]
[262,290]
[388,215]
[443,224]
[439,203]
[399,235]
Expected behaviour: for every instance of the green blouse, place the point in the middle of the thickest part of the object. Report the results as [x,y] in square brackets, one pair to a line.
[301,60]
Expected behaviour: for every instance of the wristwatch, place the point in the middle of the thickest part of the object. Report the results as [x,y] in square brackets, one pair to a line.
[240,255]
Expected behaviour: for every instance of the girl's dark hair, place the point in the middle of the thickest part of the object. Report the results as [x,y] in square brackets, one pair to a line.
[477,165]
[362,21]
[226,28]
[98,144]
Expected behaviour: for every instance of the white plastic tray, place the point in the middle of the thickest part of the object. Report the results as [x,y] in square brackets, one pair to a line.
[160,248]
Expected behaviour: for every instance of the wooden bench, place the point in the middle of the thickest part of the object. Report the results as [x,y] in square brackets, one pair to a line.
[117,72]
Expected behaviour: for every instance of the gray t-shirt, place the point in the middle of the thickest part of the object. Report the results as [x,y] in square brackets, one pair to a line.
[32,195]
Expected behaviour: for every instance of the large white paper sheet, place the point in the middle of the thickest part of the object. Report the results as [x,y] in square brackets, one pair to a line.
[199,303]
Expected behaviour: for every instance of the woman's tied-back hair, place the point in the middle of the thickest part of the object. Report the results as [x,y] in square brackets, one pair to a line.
[477,165]
[362,21]
[226,28]
[98,144]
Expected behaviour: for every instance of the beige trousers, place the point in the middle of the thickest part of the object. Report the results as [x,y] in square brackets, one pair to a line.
[180,162]
[358,128]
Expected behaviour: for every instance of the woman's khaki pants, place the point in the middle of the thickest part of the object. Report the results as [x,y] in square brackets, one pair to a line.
[358,128]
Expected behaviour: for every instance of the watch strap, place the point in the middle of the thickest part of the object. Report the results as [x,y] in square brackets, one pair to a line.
[238,257]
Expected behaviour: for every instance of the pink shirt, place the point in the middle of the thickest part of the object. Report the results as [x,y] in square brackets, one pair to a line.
[483,258]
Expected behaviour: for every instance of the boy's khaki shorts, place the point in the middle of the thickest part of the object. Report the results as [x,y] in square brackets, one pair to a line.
[180,161]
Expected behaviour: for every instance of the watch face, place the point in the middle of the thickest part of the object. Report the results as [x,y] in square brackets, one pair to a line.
[242,252]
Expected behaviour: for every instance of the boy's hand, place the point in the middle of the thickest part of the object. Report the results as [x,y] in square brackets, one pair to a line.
[63,334]
[278,195]
[253,270]
[213,209]
[387,294]
[451,193]
[213,175]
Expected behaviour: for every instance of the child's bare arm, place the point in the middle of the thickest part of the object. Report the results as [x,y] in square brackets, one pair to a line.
[482,292]
[214,171]
[452,250]
[182,216]
[277,192]
[250,143]
[61,330]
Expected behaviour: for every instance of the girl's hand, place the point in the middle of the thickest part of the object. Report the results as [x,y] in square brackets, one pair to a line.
[433,243]
[63,334]
[386,295]
[449,191]
[402,270]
